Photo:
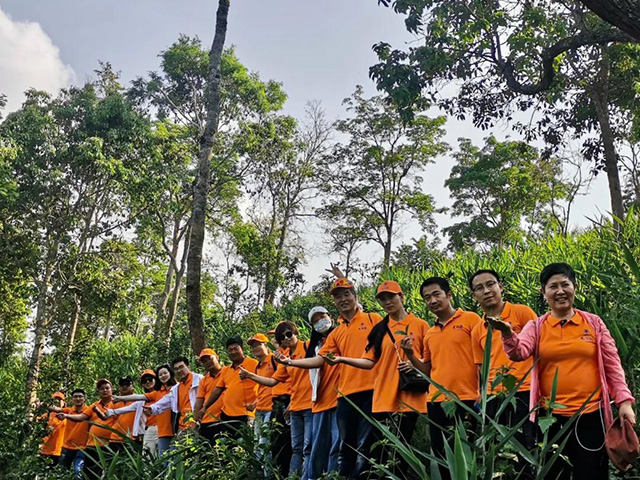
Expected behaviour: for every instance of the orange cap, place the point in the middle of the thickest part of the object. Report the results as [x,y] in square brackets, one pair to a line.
[389,286]
[58,395]
[207,352]
[147,372]
[341,283]
[102,381]
[258,337]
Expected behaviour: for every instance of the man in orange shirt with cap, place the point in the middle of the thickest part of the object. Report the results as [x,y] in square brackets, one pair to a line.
[209,418]
[52,443]
[355,387]
[75,433]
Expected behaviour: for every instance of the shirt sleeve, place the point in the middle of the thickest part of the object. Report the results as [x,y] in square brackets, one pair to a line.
[163,404]
[477,349]
[201,389]
[281,375]
[426,353]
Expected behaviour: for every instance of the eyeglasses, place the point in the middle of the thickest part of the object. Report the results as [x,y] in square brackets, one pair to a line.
[479,288]
[287,334]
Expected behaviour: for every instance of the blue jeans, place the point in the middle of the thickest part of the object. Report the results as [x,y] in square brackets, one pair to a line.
[164,444]
[262,432]
[301,430]
[73,458]
[326,444]
[356,433]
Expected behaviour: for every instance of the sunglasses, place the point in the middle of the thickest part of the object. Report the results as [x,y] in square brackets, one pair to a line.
[288,334]
[147,379]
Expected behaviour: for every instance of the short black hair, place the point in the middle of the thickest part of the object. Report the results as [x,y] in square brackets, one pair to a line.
[78,390]
[557,269]
[185,360]
[443,283]
[125,381]
[233,340]
[480,272]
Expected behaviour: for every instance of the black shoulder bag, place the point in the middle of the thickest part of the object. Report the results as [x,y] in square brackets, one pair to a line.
[411,381]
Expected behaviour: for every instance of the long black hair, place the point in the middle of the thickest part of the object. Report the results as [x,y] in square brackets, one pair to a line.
[316,338]
[172,377]
[376,336]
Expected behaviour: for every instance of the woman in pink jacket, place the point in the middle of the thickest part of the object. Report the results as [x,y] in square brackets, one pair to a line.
[578,346]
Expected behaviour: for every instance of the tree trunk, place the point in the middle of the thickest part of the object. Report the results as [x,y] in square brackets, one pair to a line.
[175,297]
[600,98]
[72,338]
[624,14]
[201,190]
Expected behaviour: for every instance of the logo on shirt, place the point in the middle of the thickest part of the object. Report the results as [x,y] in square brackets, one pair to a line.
[458,327]
[586,336]
[362,326]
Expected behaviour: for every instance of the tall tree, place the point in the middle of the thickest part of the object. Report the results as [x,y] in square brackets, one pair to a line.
[504,189]
[507,57]
[374,179]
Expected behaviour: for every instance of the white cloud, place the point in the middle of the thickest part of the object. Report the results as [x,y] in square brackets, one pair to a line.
[28,59]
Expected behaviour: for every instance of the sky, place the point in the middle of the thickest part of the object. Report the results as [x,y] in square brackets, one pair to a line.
[318,50]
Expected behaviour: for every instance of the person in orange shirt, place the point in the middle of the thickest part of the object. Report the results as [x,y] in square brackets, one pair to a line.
[182,397]
[165,375]
[325,442]
[280,418]
[349,339]
[447,359]
[98,435]
[396,408]
[52,443]
[576,348]
[209,419]
[259,345]
[75,433]
[300,406]
[486,289]
[124,423]
[239,394]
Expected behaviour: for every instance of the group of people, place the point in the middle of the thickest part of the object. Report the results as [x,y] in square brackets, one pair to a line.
[309,400]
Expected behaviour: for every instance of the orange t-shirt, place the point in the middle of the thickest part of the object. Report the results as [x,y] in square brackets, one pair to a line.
[97,434]
[264,393]
[386,396]
[327,393]
[572,350]
[282,388]
[205,387]
[300,382]
[123,423]
[448,348]
[238,393]
[349,339]
[184,403]
[152,420]
[517,316]
[76,433]
[165,428]
[52,443]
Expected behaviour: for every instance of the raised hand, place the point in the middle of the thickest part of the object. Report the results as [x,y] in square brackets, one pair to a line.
[243,373]
[280,357]
[503,327]
[61,416]
[335,270]
[407,346]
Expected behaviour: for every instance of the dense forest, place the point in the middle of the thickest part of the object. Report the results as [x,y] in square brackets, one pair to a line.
[148,220]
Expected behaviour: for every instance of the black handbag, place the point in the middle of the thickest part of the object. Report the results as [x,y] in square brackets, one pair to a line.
[411,381]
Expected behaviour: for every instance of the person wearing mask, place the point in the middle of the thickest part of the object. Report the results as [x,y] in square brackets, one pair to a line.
[397,409]
[486,289]
[99,433]
[52,443]
[447,359]
[209,419]
[182,397]
[259,345]
[165,375]
[355,387]
[325,441]
[300,406]
[75,433]
[239,394]
[575,346]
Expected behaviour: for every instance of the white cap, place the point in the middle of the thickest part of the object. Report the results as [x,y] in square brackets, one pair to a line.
[315,310]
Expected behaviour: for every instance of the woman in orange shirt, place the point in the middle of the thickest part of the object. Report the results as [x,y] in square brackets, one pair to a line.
[399,409]
[52,443]
[577,348]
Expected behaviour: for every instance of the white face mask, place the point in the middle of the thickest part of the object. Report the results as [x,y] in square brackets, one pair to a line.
[323,325]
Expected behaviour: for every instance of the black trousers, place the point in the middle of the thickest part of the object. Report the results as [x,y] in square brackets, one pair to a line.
[526,435]
[584,449]
[439,421]
[211,431]
[281,435]
[92,466]
[356,434]
[232,425]
[402,425]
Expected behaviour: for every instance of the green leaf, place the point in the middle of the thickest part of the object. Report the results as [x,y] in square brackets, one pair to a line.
[545,423]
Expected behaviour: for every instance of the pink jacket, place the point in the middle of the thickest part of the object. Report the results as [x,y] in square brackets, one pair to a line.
[522,346]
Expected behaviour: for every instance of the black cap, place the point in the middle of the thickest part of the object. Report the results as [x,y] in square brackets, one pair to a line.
[124,381]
